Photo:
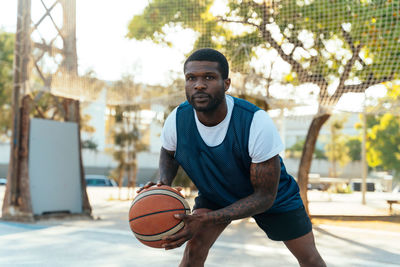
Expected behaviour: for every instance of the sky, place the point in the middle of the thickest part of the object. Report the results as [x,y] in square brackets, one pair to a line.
[101,43]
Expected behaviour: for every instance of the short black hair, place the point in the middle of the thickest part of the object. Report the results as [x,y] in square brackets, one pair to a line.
[209,54]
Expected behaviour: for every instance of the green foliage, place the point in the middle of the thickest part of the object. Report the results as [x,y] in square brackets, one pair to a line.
[6,80]
[341,189]
[394,92]
[319,153]
[383,143]
[336,149]
[370,25]
[297,148]
[354,148]
[324,41]
[159,13]
[89,144]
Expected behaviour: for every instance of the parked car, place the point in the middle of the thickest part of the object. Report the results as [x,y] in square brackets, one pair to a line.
[3,181]
[99,180]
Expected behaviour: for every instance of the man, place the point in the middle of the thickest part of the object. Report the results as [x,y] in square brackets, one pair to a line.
[229,149]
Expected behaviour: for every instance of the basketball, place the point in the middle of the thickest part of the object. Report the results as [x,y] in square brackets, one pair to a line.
[151,215]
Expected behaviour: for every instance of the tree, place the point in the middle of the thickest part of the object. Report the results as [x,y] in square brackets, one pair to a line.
[383,131]
[347,45]
[336,149]
[89,144]
[127,135]
[383,143]
[354,147]
[6,81]
[296,149]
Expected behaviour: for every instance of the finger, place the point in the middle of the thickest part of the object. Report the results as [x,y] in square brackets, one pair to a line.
[176,244]
[139,190]
[173,238]
[181,216]
[149,184]
[179,188]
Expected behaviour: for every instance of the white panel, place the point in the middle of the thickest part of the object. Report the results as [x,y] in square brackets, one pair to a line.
[54,172]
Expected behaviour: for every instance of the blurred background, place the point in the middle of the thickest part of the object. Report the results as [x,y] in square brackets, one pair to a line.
[327,72]
[85,87]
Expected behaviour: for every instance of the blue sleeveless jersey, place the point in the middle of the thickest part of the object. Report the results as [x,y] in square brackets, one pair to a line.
[222,173]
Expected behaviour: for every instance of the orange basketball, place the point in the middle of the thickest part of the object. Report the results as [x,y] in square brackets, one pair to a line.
[151,216]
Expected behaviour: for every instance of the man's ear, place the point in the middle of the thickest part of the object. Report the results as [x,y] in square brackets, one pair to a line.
[227,83]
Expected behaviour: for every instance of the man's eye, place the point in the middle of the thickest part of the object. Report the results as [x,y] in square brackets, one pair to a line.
[190,78]
[209,77]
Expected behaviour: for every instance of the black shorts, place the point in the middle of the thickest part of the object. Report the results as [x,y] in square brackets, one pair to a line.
[278,226]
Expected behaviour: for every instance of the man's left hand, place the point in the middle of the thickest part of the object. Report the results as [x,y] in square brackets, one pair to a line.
[193,224]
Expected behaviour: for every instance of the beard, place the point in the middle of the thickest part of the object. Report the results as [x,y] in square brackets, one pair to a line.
[213,101]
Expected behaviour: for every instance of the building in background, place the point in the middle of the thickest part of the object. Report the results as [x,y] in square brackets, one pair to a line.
[101,161]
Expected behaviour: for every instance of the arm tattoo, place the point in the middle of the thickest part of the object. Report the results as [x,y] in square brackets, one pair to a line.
[264,177]
[168,166]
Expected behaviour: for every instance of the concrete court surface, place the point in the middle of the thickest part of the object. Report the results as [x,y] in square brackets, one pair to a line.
[107,241]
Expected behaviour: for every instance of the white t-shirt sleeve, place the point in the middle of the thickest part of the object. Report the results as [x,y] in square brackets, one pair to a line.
[264,139]
[168,133]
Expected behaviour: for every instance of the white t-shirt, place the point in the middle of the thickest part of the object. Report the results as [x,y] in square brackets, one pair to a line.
[264,139]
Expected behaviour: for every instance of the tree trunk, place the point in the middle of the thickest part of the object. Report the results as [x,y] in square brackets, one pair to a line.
[21,207]
[24,198]
[307,155]
[12,197]
[334,171]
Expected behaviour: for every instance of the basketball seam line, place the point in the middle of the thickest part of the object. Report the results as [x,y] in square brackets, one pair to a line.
[162,189]
[142,235]
[156,194]
[157,212]
[147,193]
[181,199]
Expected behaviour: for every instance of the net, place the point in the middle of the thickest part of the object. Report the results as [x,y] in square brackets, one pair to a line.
[284,52]
[323,49]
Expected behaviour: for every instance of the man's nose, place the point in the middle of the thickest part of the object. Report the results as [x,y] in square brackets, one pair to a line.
[200,84]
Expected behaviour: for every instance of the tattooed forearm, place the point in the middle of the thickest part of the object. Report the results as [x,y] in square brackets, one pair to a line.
[168,166]
[265,179]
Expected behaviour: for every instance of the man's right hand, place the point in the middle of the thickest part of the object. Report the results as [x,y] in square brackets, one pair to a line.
[159,183]
[149,184]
